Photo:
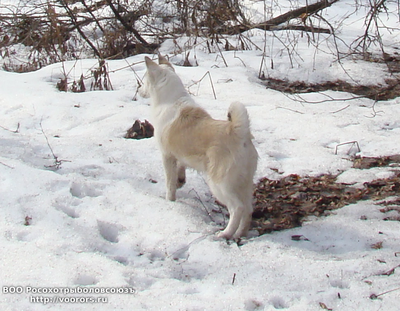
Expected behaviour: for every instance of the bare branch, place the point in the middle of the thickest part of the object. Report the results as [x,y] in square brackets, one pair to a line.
[286,17]
[127,25]
[78,28]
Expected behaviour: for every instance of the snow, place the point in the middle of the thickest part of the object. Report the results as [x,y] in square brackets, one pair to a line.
[101,221]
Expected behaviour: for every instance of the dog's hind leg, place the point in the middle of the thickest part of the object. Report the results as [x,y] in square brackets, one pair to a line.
[236,208]
[236,214]
[171,176]
[181,176]
[245,222]
[239,207]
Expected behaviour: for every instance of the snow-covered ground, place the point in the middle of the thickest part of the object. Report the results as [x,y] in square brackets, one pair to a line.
[100,221]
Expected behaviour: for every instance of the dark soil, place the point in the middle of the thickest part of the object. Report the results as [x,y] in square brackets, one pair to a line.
[285,203]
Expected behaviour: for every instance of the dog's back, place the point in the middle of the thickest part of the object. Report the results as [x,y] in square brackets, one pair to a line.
[208,145]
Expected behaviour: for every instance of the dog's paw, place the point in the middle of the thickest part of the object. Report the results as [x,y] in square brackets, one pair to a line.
[224,235]
[171,196]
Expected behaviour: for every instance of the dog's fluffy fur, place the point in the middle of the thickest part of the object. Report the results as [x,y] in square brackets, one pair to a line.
[189,137]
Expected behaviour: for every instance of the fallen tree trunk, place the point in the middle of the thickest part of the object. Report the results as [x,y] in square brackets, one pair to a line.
[273,23]
[297,13]
[302,28]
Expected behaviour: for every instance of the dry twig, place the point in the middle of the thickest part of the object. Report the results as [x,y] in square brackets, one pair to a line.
[57,162]
[211,82]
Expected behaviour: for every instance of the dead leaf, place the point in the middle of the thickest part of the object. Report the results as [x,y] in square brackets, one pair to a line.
[377,245]
[27,221]
[323,306]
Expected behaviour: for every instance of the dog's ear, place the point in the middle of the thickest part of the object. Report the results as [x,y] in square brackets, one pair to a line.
[152,67]
[162,60]
[149,63]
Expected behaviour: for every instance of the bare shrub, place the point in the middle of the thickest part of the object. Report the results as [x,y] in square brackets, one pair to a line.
[78,86]
[40,32]
[101,79]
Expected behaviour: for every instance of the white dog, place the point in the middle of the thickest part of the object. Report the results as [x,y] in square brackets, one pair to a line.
[189,137]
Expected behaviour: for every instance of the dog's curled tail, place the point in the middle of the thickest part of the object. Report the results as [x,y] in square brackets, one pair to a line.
[237,114]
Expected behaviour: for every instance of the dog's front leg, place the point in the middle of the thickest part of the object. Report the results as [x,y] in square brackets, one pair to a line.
[171,176]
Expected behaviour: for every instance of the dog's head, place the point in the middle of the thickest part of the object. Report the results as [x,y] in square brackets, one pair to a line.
[154,74]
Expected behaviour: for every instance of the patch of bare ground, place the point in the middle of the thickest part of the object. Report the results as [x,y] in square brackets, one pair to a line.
[285,203]
[375,92]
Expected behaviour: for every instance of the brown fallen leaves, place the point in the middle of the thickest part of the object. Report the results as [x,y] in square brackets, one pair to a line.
[376,92]
[393,205]
[283,204]
[368,162]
